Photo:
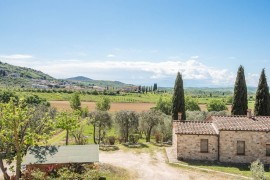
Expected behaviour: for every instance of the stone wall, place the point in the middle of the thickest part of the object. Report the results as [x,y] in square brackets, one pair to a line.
[174,136]
[188,147]
[255,146]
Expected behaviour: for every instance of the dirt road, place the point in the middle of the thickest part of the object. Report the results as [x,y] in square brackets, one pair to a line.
[153,166]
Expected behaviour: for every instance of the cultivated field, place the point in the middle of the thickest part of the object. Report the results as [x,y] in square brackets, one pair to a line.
[138,107]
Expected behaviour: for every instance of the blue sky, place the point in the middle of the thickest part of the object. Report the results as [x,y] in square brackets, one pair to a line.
[139,41]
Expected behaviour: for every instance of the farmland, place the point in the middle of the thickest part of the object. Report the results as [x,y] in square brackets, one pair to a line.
[138,107]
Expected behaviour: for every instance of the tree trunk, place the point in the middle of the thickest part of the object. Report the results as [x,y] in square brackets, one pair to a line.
[99,135]
[67,138]
[126,138]
[148,135]
[4,170]
[18,165]
[94,134]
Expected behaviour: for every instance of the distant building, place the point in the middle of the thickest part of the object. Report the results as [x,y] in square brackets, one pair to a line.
[233,139]
[39,86]
[130,89]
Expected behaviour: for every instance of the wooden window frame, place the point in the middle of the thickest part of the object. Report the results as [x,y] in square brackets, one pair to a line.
[238,153]
[267,153]
[201,150]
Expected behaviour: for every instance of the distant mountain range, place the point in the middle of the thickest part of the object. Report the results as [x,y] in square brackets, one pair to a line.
[16,76]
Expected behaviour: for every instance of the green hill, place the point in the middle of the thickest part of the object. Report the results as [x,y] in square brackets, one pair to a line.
[101,83]
[16,76]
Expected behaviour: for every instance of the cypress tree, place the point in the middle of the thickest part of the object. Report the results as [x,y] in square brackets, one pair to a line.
[262,103]
[240,103]
[178,99]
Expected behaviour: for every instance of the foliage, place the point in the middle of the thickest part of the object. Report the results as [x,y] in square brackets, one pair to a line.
[75,102]
[35,100]
[178,99]
[111,140]
[155,87]
[84,112]
[101,121]
[149,120]
[216,105]
[165,128]
[262,103]
[103,104]
[164,105]
[257,170]
[202,115]
[240,102]
[78,134]
[21,127]
[134,138]
[191,104]
[7,95]
[67,121]
[127,122]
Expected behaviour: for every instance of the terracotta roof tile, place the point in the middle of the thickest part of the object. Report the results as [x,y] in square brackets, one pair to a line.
[242,123]
[195,127]
[230,123]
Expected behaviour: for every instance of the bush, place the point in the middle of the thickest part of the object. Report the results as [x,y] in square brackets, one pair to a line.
[257,170]
[158,137]
[216,105]
[134,138]
[111,140]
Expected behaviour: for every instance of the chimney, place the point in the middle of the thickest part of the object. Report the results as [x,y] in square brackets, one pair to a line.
[249,113]
[179,116]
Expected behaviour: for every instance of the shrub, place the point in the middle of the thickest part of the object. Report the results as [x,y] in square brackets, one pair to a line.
[134,138]
[257,170]
[111,140]
[158,137]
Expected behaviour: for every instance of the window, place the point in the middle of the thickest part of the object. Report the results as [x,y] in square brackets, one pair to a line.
[267,149]
[204,145]
[240,147]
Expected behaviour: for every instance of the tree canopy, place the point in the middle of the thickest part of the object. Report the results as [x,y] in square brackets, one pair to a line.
[148,120]
[67,121]
[216,105]
[191,104]
[103,104]
[101,121]
[178,99]
[20,127]
[128,122]
[75,102]
[262,103]
[240,102]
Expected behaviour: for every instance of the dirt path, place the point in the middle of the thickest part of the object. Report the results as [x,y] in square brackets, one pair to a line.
[152,166]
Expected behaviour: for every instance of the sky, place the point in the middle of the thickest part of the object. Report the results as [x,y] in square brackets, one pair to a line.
[139,41]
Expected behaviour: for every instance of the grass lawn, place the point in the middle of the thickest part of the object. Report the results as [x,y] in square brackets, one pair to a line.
[238,169]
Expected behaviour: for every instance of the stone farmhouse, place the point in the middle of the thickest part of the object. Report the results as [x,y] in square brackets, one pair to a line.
[230,139]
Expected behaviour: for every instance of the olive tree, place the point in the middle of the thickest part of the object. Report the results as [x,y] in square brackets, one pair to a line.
[149,120]
[21,127]
[127,122]
[101,121]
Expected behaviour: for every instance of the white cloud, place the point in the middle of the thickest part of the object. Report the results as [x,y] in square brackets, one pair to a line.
[17,56]
[191,69]
[129,71]
[110,55]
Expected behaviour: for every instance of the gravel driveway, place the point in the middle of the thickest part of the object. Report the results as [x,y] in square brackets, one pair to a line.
[152,166]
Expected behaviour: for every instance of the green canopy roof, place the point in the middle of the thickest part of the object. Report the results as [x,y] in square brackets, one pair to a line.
[62,154]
